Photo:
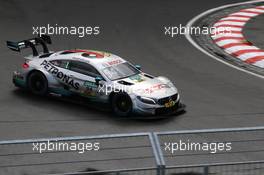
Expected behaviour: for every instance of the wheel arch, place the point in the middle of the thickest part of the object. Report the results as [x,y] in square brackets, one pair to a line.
[129,95]
[111,97]
[35,70]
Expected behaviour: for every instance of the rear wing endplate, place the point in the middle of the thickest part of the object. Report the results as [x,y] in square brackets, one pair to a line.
[42,40]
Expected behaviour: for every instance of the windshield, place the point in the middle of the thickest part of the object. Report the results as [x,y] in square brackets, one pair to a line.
[120,71]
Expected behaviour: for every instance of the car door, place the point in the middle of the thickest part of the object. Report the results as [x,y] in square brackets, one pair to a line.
[60,72]
[84,75]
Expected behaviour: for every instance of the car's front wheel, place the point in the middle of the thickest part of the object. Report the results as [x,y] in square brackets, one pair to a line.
[37,83]
[121,104]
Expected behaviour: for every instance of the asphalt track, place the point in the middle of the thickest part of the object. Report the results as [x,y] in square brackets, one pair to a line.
[257,26]
[217,96]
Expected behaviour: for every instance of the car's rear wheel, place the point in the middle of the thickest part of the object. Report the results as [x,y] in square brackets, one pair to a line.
[121,104]
[37,83]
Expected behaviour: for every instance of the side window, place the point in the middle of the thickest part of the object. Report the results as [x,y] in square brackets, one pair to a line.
[83,68]
[61,63]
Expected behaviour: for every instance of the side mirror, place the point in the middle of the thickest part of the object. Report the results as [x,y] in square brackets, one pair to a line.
[138,67]
[97,80]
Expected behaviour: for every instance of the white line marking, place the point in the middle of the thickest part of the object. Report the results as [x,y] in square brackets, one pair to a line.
[189,38]
[255,10]
[220,35]
[259,63]
[229,23]
[226,41]
[228,29]
[239,48]
[235,18]
[244,14]
[246,56]
[239,29]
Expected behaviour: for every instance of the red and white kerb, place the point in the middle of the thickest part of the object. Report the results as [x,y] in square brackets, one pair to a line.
[232,40]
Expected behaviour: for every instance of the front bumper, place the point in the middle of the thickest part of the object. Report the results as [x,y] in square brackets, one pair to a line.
[179,107]
[157,109]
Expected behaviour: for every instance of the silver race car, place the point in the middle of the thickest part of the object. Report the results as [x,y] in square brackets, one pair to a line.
[94,75]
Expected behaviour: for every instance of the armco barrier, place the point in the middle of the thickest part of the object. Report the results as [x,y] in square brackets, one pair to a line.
[156,153]
[117,151]
[244,156]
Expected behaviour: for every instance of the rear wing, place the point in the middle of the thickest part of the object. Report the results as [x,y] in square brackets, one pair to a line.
[42,40]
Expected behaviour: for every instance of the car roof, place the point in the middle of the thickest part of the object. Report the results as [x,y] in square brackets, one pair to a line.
[98,59]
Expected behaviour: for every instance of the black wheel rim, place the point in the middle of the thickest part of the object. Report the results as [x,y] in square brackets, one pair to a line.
[123,104]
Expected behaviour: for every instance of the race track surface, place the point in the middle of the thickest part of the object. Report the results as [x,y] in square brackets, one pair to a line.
[257,26]
[216,95]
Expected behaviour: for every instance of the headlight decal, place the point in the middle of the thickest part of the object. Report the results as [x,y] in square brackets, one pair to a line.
[146,100]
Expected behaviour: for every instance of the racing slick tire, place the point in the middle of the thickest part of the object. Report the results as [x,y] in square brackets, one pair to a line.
[121,104]
[37,83]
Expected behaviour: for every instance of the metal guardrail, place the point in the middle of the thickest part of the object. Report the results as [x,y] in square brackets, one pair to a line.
[142,153]
[199,169]
[248,167]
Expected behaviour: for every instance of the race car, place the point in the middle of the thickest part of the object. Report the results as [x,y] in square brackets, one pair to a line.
[96,76]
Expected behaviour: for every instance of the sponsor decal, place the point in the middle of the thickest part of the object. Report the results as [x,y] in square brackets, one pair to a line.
[90,89]
[90,84]
[170,103]
[155,88]
[114,62]
[59,74]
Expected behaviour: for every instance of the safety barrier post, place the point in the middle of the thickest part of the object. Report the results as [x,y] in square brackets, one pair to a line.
[160,162]
[206,170]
